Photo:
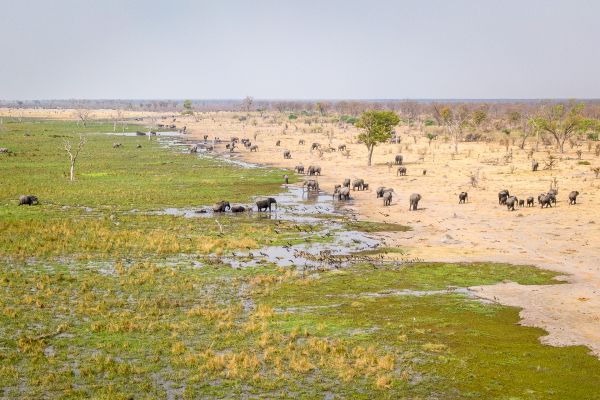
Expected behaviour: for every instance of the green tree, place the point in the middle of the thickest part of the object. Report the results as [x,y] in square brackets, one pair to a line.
[562,121]
[187,107]
[378,127]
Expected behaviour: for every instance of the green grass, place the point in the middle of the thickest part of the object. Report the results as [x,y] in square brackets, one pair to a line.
[369,227]
[124,178]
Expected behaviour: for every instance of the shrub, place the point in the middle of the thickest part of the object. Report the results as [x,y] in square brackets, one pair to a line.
[292,117]
[593,136]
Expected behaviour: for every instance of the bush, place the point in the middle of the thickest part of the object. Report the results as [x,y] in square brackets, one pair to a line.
[583,163]
[429,122]
[292,117]
[593,136]
[348,119]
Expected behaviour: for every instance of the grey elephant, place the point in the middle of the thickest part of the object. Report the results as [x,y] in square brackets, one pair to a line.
[502,196]
[265,204]
[387,198]
[315,146]
[521,203]
[301,142]
[545,200]
[194,149]
[287,154]
[530,201]
[358,183]
[511,202]
[346,183]
[342,147]
[379,191]
[254,148]
[401,171]
[534,165]
[221,206]
[314,170]
[311,185]
[463,197]
[28,200]
[398,159]
[299,169]
[238,209]
[278,143]
[573,197]
[414,201]
[344,193]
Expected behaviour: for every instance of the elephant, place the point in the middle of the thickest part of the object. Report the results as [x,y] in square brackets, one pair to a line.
[205,137]
[315,146]
[221,206]
[530,201]
[534,165]
[194,149]
[414,201]
[278,143]
[502,196]
[379,191]
[264,204]
[573,197]
[287,154]
[545,200]
[28,200]
[139,133]
[301,142]
[311,185]
[299,169]
[552,194]
[254,148]
[401,171]
[463,197]
[248,144]
[398,159]
[521,203]
[511,201]
[358,183]
[365,186]
[314,170]
[234,139]
[344,193]
[342,147]
[238,209]
[387,198]
[424,172]
[346,183]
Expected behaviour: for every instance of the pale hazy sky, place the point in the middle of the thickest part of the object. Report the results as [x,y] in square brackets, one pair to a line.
[57,49]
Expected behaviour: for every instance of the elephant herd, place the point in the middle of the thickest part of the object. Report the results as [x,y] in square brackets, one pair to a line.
[261,205]
[545,200]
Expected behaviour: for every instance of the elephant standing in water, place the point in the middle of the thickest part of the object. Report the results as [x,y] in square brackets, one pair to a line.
[221,206]
[238,209]
[264,204]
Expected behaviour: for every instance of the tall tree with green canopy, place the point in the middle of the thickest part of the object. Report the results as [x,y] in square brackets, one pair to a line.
[378,127]
[187,108]
[562,121]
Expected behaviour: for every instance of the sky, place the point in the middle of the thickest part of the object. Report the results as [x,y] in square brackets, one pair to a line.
[303,49]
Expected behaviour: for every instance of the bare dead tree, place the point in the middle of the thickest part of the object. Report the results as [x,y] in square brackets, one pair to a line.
[83,116]
[74,153]
[247,103]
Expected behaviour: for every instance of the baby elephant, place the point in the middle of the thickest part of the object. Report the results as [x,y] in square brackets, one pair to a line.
[287,154]
[414,201]
[530,201]
[573,197]
[28,200]
[511,201]
[387,198]
[521,203]
[401,171]
[238,209]
[545,200]
[379,191]
[463,197]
